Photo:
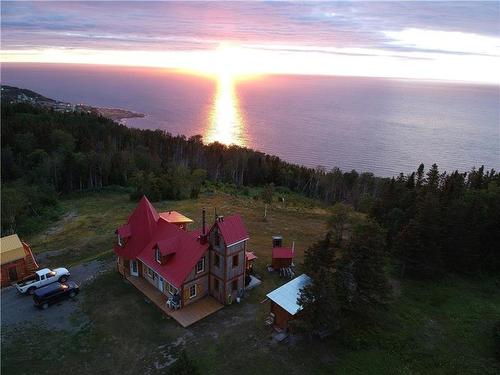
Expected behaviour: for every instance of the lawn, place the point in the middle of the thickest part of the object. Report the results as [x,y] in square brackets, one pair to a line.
[440,327]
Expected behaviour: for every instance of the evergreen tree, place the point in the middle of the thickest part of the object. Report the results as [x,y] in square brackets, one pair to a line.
[339,220]
[361,282]
[319,299]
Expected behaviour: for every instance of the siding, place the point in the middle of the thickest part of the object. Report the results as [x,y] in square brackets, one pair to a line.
[232,272]
[193,275]
[217,271]
[237,247]
[201,289]
[282,317]
[229,287]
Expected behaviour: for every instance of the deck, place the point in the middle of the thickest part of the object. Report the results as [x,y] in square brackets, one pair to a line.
[186,316]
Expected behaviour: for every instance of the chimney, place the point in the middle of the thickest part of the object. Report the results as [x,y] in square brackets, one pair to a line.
[293,247]
[203,221]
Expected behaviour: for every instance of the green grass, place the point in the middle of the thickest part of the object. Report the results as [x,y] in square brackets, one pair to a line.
[433,327]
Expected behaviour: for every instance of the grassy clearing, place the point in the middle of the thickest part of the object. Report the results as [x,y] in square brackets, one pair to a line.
[433,327]
[87,228]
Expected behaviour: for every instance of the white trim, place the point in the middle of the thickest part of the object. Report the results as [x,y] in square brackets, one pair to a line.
[202,260]
[161,286]
[158,255]
[195,290]
[240,241]
[136,272]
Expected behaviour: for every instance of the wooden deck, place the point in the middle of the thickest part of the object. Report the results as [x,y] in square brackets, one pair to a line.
[187,315]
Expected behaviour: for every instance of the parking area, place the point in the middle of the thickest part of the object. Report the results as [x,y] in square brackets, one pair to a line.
[17,308]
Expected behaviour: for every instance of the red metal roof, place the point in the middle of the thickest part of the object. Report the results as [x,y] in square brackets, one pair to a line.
[142,223]
[124,231]
[232,229]
[282,253]
[147,232]
[250,255]
[188,251]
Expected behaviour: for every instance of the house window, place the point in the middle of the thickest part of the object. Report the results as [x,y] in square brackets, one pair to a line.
[150,272]
[158,255]
[120,242]
[171,289]
[234,285]
[200,266]
[216,260]
[192,291]
[235,261]
[217,239]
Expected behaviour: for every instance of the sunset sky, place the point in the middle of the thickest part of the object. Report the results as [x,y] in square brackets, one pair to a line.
[457,41]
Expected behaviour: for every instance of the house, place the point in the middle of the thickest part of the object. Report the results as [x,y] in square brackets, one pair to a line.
[184,267]
[282,257]
[16,259]
[284,301]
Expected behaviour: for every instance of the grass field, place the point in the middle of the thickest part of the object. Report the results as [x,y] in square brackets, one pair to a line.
[440,327]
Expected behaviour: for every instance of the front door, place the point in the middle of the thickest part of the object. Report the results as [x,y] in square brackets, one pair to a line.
[12,274]
[160,284]
[133,268]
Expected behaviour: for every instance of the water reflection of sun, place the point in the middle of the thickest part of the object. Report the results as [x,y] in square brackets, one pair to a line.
[226,122]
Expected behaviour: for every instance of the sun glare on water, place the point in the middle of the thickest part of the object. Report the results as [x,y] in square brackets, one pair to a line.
[226,124]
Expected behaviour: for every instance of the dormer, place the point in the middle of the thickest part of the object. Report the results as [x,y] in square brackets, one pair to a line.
[165,250]
[123,234]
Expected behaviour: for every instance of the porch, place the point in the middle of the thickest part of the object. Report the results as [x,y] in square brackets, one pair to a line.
[185,316]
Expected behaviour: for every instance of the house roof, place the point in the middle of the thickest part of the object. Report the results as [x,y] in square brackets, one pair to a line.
[141,226]
[175,217]
[188,251]
[250,255]
[147,231]
[287,295]
[124,231]
[11,249]
[232,229]
[282,253]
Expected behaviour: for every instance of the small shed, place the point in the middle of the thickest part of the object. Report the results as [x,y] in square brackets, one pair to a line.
[16,259]
[284,301]
[249,257]
[282,257]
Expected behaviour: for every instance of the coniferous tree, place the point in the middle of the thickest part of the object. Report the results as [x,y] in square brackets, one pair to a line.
[361,281]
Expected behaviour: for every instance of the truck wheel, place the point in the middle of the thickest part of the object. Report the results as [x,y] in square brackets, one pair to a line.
[72,295]
[31,290]
[63,279]
[45,306]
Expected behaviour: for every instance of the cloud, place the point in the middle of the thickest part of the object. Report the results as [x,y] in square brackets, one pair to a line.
[402,31]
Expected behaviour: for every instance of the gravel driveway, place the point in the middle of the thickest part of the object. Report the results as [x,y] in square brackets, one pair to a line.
[17,308]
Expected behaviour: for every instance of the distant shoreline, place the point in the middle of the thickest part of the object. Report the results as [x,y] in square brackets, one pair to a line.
[117,114]
[18,95]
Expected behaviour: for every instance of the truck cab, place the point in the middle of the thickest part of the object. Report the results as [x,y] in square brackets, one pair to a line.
[42,278]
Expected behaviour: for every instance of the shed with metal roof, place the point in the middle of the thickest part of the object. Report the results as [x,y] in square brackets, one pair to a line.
[284,300]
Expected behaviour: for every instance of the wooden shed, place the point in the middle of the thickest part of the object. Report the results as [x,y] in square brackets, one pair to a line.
[282,257]
[16,259]
[284,304]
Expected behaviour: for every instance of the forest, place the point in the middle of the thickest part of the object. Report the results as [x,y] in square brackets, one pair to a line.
[432,221]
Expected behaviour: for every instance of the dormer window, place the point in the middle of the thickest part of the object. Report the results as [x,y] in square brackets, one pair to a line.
[200,266]
[158,255]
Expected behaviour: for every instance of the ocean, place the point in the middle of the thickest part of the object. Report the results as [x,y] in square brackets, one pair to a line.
[383,126]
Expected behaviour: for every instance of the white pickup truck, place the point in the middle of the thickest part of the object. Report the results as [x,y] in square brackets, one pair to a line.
[41,278]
